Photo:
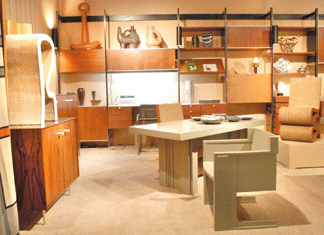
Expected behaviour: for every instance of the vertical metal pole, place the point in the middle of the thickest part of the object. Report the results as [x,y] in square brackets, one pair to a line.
[226,55]
[178,54]
[272,76]
[317,41]
[106,74]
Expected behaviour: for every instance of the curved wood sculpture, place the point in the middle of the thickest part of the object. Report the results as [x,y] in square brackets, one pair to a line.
[30,65]
[83,9]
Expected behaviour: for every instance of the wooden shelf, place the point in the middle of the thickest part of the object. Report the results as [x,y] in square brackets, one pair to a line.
[201,29]
[141,59]
[81,61]
[292,74]
[248,37]
[218,62]
[248,48]
[202,49]
[295,53]
[295,28]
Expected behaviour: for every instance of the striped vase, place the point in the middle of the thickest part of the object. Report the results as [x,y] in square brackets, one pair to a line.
[207,39]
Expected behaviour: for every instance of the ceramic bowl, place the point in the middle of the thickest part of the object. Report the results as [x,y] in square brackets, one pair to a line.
[95,102]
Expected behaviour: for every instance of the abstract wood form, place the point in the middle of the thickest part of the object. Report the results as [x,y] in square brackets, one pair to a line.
[31,60]
[85,45]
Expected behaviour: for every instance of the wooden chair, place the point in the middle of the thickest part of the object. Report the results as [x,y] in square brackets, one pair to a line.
[238,165]
[169,112]
[300,120]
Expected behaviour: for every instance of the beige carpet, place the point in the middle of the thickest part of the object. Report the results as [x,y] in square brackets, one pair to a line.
[118,193]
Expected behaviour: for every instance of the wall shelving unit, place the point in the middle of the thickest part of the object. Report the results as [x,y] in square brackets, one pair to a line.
[231,41]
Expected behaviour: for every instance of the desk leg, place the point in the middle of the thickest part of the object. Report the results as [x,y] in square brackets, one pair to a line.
[178,166]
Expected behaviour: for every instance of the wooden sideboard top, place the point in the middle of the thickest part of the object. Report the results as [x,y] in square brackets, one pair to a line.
[47,124]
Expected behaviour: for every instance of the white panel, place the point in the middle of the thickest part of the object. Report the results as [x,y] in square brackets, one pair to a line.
[3,104]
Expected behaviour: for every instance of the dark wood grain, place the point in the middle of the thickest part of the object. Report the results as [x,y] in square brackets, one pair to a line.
[253,36]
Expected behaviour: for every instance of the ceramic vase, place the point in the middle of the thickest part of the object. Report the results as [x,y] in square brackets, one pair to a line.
[81,94]
[195,41]
[153,38]
[207,39]
[128,37]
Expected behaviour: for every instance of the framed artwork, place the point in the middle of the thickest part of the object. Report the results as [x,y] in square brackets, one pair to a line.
[192,67]
[210,67]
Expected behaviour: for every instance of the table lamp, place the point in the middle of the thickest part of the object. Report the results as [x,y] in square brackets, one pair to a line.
[255,63]
[280,86]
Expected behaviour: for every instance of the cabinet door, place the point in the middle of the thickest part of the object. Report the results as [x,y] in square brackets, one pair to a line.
[253,36]
[93,123]
[191,111]
[321,44]
[209,109]
[70,153]
[244,88]
[120,117]
[53,163]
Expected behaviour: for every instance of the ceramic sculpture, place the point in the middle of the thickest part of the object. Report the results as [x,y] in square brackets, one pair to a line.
[287,43]
[128,37]
[85,45]
[153,38]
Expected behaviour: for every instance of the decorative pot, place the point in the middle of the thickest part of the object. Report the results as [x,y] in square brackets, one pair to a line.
[81,94]
[153,38]
[207,39]
[128,37]
[287,43]
[195,41]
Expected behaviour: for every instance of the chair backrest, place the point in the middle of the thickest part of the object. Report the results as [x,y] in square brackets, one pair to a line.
[147,114]
[169,112]
[305,92]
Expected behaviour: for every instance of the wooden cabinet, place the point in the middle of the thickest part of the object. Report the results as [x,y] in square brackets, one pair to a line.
[197,110]
[244,88]
[45,161]
[93,123]
[209,109]
[321,45]
[192,110]
[120,117]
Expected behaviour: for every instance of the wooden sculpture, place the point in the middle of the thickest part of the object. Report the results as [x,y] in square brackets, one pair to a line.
[85,44]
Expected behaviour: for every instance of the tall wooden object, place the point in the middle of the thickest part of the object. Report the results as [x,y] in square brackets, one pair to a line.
[30,63]
[45,161]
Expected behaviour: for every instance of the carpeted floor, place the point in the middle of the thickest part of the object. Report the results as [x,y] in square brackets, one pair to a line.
[118,192]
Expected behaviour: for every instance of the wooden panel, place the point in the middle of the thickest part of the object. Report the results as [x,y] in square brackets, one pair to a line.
[209,109]
[28,169]
[248,37]
[321,44]
[141,59]
[192,110]
[119,117]
[201,62]
[93,123]
[244,88]
[72,61]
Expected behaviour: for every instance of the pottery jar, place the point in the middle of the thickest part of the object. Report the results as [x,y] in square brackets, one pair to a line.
[153,38]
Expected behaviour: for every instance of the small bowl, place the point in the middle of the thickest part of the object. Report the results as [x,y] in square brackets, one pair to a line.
[95,102]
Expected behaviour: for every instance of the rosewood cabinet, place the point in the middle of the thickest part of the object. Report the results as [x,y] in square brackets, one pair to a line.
[45,161]
[197,110]
[120,117]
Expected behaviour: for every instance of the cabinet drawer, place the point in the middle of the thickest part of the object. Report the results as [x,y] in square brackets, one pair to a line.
[119,117]
[209,109]
[191,111]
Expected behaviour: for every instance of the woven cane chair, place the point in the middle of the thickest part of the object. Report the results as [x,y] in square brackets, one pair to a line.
[300,120]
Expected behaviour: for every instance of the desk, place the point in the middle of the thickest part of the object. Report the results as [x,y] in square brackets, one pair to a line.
[178,147]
